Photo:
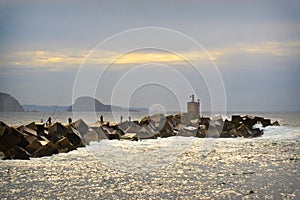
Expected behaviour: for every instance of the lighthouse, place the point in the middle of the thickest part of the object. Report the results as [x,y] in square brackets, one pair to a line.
[193,107]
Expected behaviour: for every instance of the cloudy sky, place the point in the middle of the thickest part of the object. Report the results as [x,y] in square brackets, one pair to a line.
[46,57]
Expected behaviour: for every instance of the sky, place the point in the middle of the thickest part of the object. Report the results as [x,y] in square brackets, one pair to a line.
[234,55]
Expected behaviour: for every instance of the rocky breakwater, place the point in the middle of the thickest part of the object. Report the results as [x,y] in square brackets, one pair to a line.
[38,140]
[158,125]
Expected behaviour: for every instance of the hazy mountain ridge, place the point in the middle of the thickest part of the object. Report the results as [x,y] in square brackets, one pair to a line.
[9,103]
[82,104]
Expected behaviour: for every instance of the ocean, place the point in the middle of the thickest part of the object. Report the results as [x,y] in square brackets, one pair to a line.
[290,119]
[267,167]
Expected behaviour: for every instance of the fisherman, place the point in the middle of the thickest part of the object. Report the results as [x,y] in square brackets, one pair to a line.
[70,120]
[121,118]
[49,121]
[101,118]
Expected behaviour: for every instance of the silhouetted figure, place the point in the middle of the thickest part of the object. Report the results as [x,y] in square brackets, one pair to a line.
[193,97]
[121,118]
[101,119]
[70,120]
[49,121]
[129,119]
[42,120]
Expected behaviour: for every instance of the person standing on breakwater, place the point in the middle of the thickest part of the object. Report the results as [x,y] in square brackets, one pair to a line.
[101,118]
[70,120]
[49,121]
[121,118]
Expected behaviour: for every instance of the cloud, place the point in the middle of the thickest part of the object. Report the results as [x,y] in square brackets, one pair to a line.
[71,58]
[61,60]
[271,47]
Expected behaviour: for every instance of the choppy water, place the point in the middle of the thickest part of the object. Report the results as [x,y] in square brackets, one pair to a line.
[291,119]
[177,167]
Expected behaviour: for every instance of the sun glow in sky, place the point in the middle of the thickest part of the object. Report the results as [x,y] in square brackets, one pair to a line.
[73,57]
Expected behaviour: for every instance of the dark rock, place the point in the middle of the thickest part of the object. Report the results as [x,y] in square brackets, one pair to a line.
[250,121]
[120,130]
[244,131]
[65,145]
[25,139]
[32,126]
[40,128]
[177,119]
[205,121]
[17,152]
[3,129]
[146,132]
[166,130]
[11,137]
[35,145]
[26,130]
[257,132]
[259,119]
[3,148]
[236,120]
[266,122]
[56,131]
[74,137]
[172,119]
[100,132]
[225,134]
[227,125]
[46,150]
[114,135]
[233,132]
[201,131]
[87,134]
[276,123]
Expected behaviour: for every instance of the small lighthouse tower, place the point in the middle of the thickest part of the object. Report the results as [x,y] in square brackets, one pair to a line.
[193,107]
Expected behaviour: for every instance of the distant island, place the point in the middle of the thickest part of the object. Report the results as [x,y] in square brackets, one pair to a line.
[90,104]
[9,103]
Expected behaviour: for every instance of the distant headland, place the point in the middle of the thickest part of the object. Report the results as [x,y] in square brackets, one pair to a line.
[9,103]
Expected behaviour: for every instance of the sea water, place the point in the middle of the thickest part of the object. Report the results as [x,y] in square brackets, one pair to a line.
[290,119]
[268,165]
